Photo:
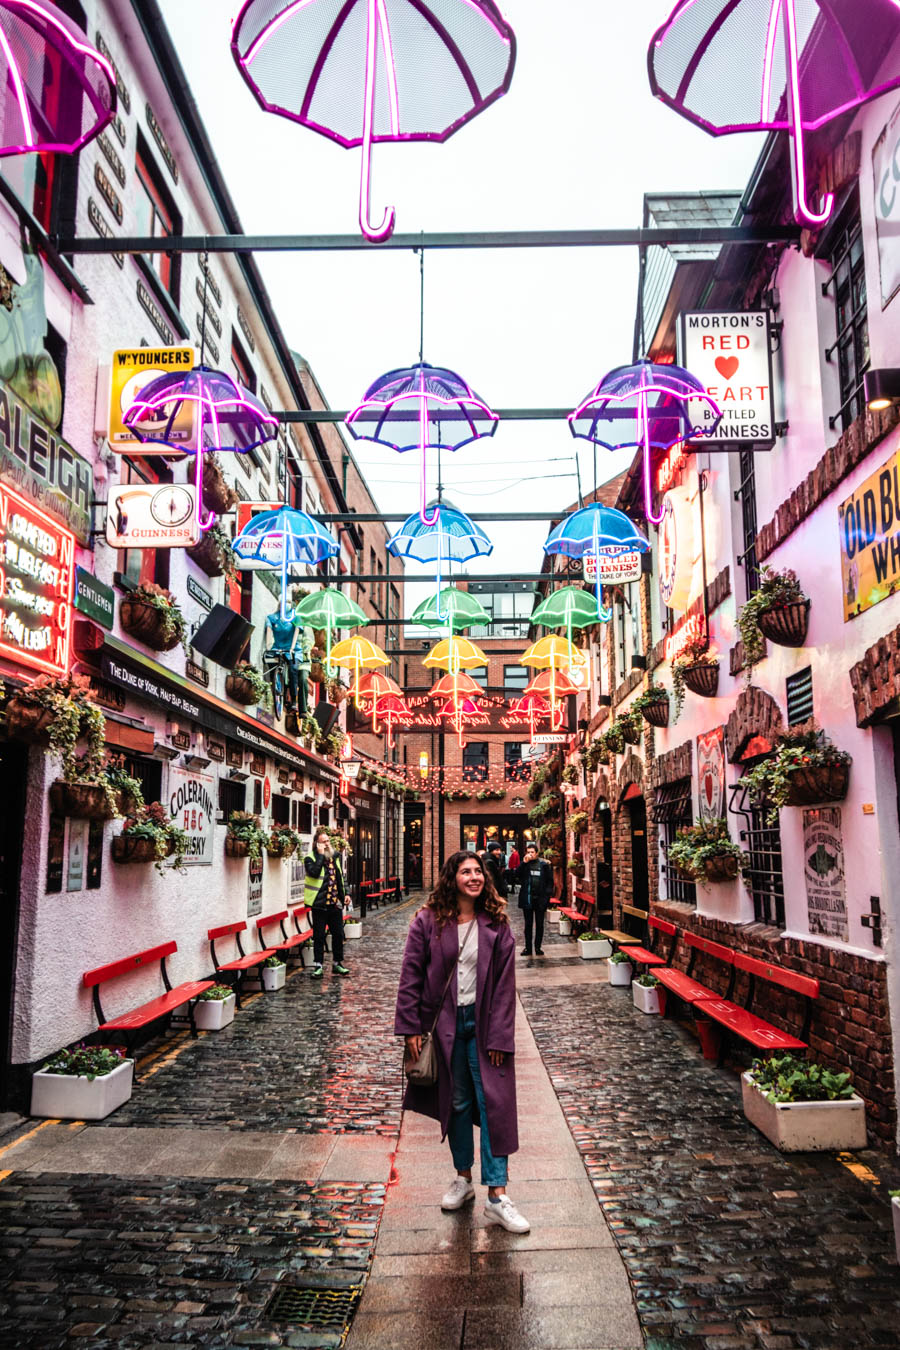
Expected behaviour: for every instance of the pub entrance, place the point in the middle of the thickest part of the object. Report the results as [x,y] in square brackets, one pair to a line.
[476,832]
[603,864]
[640,877]
[413,841]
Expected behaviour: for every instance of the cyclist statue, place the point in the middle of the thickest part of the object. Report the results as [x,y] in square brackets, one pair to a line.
[286,660]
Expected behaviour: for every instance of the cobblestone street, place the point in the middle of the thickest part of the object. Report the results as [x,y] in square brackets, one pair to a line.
[270,1157]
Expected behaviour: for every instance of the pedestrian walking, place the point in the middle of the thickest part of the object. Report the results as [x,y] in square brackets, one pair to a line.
[535,880]
[324,894]
[493,858]
[458,981]
[513,863]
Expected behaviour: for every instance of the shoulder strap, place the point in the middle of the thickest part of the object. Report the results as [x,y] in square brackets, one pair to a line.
[450,976]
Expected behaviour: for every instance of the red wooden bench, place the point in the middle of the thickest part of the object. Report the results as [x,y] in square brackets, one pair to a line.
[239,965]
[288,944]
[624,937]
[157,1008]
[382,888]
[582,912]
[649,956]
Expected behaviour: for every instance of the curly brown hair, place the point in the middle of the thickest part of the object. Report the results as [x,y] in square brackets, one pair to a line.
[443,902]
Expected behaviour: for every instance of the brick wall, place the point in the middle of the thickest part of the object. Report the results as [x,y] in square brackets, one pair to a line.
[875,679]
[850,1028]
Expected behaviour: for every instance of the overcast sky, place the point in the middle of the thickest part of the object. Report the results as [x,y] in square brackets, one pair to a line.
[575,143]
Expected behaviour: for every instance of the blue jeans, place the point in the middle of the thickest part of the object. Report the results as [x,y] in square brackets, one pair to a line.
[467,1093]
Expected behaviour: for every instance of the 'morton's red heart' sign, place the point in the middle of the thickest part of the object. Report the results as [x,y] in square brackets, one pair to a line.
[726,366]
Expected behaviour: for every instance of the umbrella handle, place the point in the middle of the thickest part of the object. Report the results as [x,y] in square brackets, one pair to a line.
[205,522]
[435,516]
[653,518]
[375,17]
[798,164]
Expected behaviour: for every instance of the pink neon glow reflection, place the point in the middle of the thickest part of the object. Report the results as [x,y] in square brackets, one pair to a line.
[20,91]
[801,206]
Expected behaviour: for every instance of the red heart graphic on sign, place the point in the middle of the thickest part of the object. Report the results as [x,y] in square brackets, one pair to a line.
[708,786]
[726,366]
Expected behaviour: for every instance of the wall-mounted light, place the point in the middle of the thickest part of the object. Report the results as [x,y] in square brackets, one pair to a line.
[882,388]
[423,763]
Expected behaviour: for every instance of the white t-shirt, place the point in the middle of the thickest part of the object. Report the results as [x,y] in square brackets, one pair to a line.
[467,965]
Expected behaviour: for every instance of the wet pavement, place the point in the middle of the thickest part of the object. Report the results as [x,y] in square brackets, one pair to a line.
[269,1157]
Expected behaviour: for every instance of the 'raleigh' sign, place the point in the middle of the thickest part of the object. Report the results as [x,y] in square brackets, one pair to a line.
[730,354]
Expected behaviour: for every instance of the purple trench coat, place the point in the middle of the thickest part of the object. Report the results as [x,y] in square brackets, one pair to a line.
[427,961]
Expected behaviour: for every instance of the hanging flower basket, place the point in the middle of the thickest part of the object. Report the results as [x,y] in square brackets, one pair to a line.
[28,722]
[703,678]
[317,672]
[236,848]
[83,801]
[240,689]
[146,622]
[128,850]
[217,495]
[786,625]
[127,803]
[721,868]
[814,783]
[631,731]
[208,555]
[657,712]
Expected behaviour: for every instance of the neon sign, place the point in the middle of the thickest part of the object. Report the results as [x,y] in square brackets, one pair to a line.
[37,570]
[669,469]
[691,630]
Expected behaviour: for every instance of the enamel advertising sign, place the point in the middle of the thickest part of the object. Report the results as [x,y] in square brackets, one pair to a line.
[869,521]
[192,808]
[730,354]
[616,568]
[152,515]
[711,774]
[131,371]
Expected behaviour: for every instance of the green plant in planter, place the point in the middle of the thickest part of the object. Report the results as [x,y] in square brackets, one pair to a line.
[776,588]
[309,728]
[88,1061]
[272,961]
[569,774]
[74,717]
[332,744]
[784,1078]
[222,540]
[217,994]
[552,854]
[153,823]
[548,803]
[653,694]
[245,827]
[262,690]
[695,845]
[593,936]
[630,723]
[799,747]
[647,981]
[619,959]
[284,841]
[540,774]
[121,781]
[612,740]
[576,866]
[577,822]
[173,621]
[694,653]
[594,754]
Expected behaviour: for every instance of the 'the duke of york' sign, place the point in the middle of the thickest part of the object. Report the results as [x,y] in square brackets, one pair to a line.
[730,355]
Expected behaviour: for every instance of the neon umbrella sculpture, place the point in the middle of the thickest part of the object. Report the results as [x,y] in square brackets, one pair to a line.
[410,410]
[329,608]
[535,707]
[553,654]
[457,655]
[378,688]
[452,537]
[391,708]
[227,417]
[356,654]
[742,65]
[284,539]
[453,686]
[441,62]
[59,93]
[591,532]
[463,712]
[648,406]
[451,608]
[569,607]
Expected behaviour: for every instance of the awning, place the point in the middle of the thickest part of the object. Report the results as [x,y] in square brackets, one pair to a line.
[673,802]
[126,736]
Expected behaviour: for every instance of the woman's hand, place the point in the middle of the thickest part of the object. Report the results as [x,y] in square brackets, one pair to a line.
[413,1047]
[496,1057]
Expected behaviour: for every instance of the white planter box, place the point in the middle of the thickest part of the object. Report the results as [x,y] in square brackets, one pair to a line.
[565,926]
[594,950]
[273,977]
[620,973]
[645,999]
[71,1097]
[353,930]
[553,915]
[212,1014]
[804,1127]
[895,1210]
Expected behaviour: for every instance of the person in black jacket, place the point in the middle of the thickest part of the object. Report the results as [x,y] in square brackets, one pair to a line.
[493,861]
[324,892]
[535,881]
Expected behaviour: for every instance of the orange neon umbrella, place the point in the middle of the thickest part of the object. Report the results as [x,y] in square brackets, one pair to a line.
[553,654]
[358,653]
[533,706]
[375,686]
[453,686]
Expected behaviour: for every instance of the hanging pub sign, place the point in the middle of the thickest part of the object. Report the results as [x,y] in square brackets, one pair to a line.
[152,515]
[131,370]
[94,598]
[886,179]
[677,550]
[37,569]
[711,774]
[616,568]
[191,808]
[869,522]
[731,355]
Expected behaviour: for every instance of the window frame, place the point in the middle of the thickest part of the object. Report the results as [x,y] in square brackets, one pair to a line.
[844,244]
[165,266]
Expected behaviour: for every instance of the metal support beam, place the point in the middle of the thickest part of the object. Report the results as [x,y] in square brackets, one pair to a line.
[411,415]
[398,578]
[370,517]
[342,243]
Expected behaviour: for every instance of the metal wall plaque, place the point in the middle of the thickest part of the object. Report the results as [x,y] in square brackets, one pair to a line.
[201,595]
[118,127]
[103,228]
[121,88]
[163,146]
[112,157]
[212,320]
[246,329]
[108,193]
[212,284]
[152,310]
[195,672]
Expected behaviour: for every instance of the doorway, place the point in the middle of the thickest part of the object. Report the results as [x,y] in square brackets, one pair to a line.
[604,868]
[413,840]
[640,879]
[13,764]
[364,836]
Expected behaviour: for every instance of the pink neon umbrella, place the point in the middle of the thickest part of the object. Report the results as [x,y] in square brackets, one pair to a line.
[58,92]
[427,67]
[778,65]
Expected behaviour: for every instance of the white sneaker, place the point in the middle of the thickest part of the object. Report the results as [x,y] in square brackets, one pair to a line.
[505,1213]
[460,1191]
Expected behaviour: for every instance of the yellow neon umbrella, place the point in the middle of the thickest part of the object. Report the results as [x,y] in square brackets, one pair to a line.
[455,654]
[553,653]
[358,653]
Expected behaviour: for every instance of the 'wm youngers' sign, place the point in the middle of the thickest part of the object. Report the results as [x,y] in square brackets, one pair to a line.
[37,568]
[43,467]
[870,539]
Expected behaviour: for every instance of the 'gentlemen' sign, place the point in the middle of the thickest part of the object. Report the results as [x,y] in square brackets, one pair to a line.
[730,355]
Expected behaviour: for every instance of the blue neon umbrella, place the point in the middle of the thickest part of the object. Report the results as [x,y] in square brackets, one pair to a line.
[282,539]
[449,537]
[583,533]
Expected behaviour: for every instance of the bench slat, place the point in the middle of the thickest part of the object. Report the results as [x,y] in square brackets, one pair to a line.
[128,963]
[157,1007]
[714,949]
[622,939]
[245,962]
[645,958]
[684,987]
[788,979]
[664,925]
[226,930]
[750,1027]
[266,919]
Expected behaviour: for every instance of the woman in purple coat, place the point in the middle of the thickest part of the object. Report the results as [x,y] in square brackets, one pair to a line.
[475,1033]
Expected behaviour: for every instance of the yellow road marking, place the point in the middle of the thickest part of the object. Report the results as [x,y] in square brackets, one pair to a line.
[4,1175]
[861,1172]
[22,1137]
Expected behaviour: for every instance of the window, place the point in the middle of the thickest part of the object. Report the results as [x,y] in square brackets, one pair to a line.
[155,216]
[799,696]
[393,632]
[515,679]
[294,480]
[634,598]
[475,761]
[509,604]
[281,809]
[621,659]
[241,368]
[232,796]
[844,251]
[747,493]
[672,809]
[257,796]
[764,877]
[144,564]
[514,771]
[148,773]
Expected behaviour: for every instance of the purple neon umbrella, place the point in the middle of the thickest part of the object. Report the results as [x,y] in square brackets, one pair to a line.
[375,70]
[421,407]
[57,91]
[773,65]
[646,405]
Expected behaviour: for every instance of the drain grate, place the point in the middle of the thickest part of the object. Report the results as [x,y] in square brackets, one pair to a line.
[326,1308]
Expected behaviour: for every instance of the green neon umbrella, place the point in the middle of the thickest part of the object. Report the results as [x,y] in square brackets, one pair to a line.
[569,607]
[329,609]
[457,610]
